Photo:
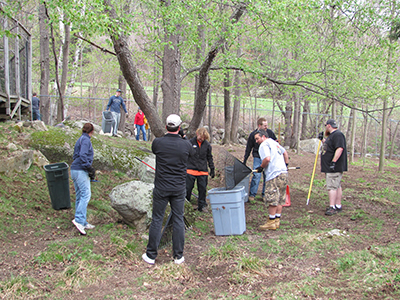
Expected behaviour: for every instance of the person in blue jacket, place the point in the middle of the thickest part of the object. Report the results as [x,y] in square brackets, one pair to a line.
[81,173]
[35,107]
[114,105]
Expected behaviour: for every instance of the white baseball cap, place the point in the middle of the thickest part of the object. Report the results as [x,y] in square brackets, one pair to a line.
[174,120]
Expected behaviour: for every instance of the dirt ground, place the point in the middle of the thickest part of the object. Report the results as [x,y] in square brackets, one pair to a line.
[213,275]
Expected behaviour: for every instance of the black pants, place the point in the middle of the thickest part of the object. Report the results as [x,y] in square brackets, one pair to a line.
[160,201]
[202,181]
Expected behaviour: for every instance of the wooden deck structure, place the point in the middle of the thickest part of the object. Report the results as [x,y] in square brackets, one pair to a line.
[15,70]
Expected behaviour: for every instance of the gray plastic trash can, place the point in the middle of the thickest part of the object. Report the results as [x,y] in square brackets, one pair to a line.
[246,183]
[228,210]
[108,122]
[58,183]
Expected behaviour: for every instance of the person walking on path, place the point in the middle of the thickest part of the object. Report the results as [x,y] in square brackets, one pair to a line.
[172,154]
[333,164]
[274,162]
[198,167]
[35,107]
[81,173]
[114,105]
[262,124]
[140,124]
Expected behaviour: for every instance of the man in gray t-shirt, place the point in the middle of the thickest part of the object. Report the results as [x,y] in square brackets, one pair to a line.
[274,161]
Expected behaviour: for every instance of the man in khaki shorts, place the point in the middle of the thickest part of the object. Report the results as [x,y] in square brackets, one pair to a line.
[333,164]
[274,162]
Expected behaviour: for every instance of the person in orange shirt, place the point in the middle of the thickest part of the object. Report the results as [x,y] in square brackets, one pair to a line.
[197,168]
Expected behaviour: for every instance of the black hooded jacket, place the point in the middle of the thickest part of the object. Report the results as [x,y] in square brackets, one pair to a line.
[201,156]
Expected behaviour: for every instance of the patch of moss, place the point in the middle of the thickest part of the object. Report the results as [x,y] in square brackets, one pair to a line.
[57,144]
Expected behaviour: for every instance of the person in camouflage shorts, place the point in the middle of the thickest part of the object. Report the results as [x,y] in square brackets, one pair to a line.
[275,160]
[275,190]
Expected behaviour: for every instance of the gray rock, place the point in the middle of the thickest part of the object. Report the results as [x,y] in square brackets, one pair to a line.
[309,145]
[12,147]
[39,126]
[147,174]
[133,201]
[18,161]
[242,141]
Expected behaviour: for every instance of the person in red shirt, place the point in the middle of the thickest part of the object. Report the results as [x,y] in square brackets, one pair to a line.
[140,126]
[197,168]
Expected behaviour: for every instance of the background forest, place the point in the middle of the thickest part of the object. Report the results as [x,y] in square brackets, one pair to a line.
[296,62]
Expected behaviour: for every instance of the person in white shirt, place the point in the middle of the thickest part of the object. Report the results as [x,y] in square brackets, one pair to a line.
[275,160]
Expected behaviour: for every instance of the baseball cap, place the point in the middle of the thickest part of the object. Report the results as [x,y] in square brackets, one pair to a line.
[119,90]
[174,120]
[331,122]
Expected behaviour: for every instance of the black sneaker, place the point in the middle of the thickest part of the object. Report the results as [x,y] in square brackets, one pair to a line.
[338,209]
[330,211]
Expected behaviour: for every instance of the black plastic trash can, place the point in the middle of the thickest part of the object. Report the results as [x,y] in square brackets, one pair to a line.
[107,123]
[58,183]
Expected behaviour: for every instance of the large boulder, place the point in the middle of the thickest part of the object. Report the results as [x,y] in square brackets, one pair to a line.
[133,201]
[310,145]
[57,144]
[21,161]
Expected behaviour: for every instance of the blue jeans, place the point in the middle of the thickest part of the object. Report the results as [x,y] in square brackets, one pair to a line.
[143,129]
[160,201]
[35,114]
[117,118]
[255,181]
[83,193]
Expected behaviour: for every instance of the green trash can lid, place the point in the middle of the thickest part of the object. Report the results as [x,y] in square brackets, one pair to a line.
[56,166]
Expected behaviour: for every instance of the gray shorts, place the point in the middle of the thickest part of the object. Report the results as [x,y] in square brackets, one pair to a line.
[333,180]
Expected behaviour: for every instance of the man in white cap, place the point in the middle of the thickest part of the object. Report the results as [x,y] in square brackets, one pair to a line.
[333,164]
[114,105]
[172,154]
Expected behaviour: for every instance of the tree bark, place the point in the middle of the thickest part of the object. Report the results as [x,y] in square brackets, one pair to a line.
[288,122]
[64,72]
[204,85]
[122,87]
[227,109]
[44,65]
[236,103]
[353,136]
[131,76]
[171,83]
[296,118]
[306,110]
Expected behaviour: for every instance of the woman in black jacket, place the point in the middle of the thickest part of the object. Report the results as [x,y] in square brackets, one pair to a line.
[197,168]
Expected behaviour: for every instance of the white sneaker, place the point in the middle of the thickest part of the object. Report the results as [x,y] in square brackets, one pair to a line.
[80,227]
[179,261]
[89,226]
[148,259]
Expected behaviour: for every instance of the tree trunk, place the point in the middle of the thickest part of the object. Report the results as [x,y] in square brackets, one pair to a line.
[306,110]
[131,76]
[44,65]
[171,83]
[122,87]
[204,85]
[64,72]
[393,140]
[288,122]
[227,109]
[365,135]
[236,103]
[353,136]
[74,69]
[296,117]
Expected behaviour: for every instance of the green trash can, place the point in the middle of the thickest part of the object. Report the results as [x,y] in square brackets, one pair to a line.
[58,183]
